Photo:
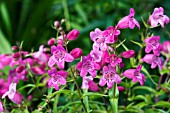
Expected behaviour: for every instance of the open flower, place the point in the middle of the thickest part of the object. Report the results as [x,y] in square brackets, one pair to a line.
[166,47]
[158,17]
[88,83]
[1,107]
[152,44]
[153,60]
[128,21]
[87,65]
[109,77]
[57,78]
[135,75]
[12,94]
[115,60]
[59,57]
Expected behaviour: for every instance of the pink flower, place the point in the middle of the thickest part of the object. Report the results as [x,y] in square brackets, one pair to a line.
[96,55]
[152,44]
[12,94]
[59,57]
[153,60]
[158,17]
[111,34]
[98,39]
[76,53]
[4,60]
[135,75]
[109,77]
[41,55]
[128,54]
[57,78]
[1,107]
[87,65]
[115,60]
[3,86]
[88,83]
[166,47]
[72,35]
[128,21]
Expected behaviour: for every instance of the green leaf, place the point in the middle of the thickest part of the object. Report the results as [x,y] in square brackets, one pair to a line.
[93,94]
[137,43]
[5,47]
[145,88]
[26,86]
[121,42]
[124,46]
[140,97]
[162,104]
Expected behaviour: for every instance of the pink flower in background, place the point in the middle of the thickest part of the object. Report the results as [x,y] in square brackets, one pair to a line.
[73,34]
[88,83]
[153,60]
[41,55]
[1,107]
[166,47]
[87,65]
[59,57]
[111,34]
[12,94]
[158,17]
[128,21]
[135,75]
[109,77]
[4,60]
[76,53]
[3,86]
[152,44]
[57,78]
[128,54]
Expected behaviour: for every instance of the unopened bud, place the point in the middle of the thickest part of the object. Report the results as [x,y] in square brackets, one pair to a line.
[72,35]
[14,48]
[76,53]
[51,41]
[128,54]
[56,24]
[121,88]
[16,55]
[19,69]
[63,20]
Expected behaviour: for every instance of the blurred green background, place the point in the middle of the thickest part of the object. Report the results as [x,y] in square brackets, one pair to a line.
[31,20]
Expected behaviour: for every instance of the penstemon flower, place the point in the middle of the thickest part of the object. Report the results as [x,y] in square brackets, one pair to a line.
[153,60]
[128,21]
[158,17]
[166,47]
[57,78]
[59,57]
[12,94]
[88,83]
[87,65]
[109,77]
[152,44]
[1,107]
[135,75]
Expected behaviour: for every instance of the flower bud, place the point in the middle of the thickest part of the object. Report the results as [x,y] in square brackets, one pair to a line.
[128,54]
[15,48]
[76,53]
[56,24]
[51,41]
[121,88]
[72,35]
[16,55]
[19,69]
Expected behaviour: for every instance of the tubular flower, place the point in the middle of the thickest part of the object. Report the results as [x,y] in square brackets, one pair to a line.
[87,65]
[158,17]
[166,47]
[1,107]
[109,77]
[57,78]
[88,83]
[153,60]
[135,75]
[128,21]
[12,94]
[72,35]
[128,54]
[114,60]
[152,44]
[59,57]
